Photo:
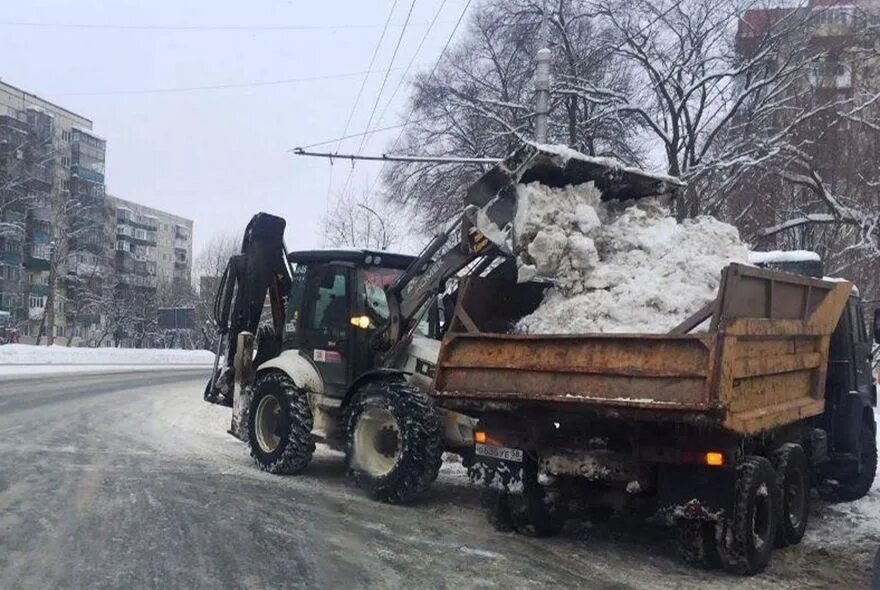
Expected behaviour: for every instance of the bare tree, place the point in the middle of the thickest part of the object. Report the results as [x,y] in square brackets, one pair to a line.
[479,101]
[362,222]
[208,267]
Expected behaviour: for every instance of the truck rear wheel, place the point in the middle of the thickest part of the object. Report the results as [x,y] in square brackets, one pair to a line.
[793,478]
[394,446]
[697,543]
[748,536]
[860,485]
[496,509]
[280,425]
[533,512]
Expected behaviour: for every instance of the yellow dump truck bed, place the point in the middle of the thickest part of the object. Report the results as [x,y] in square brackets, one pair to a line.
[761,364]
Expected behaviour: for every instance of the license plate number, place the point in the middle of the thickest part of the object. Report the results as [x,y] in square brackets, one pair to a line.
[500,453]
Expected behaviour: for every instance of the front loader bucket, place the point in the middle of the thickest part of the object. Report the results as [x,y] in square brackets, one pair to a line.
[494,194]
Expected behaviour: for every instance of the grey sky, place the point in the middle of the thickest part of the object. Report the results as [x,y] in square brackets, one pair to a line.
[218,156]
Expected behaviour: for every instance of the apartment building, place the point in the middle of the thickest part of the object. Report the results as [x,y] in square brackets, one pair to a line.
[58,226]
[152,247]
[51,177]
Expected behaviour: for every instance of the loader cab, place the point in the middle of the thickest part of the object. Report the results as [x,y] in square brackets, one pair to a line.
[336,306]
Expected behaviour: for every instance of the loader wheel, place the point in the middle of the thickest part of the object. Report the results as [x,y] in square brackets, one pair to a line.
[280,425]
[793,479]
[394,446]
[697,543]
[860,485]
[748,536]
[534,512]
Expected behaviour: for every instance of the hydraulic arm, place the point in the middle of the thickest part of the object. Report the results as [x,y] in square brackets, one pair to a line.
[260,268]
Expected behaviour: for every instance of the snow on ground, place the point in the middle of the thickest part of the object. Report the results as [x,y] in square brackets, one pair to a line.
[616,268]
[26,354]
[849,522]
[26,359]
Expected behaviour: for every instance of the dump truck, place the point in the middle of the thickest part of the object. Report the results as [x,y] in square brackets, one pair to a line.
[721,427]
[346,353]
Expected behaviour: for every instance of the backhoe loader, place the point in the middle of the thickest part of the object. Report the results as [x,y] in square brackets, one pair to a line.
[350,355]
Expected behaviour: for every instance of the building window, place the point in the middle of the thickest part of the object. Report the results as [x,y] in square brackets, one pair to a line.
[9,272]
[121,246]
[40,251]
[37,301]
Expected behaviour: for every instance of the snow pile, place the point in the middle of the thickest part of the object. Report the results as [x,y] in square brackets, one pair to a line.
[26,354]
[783,256]
[616,268]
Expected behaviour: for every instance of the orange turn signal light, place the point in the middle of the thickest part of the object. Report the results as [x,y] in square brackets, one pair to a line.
[714,458]
[480,437]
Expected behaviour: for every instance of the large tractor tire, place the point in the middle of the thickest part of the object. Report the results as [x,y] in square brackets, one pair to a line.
[531,512]
[793,479]
[280,425]
[697,543]
[748,535]
[394,442]
[859,485]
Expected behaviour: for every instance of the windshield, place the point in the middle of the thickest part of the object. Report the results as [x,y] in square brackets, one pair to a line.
[374,281]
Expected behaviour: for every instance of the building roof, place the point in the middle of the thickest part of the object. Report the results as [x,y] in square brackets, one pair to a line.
[27,94]
[140,207]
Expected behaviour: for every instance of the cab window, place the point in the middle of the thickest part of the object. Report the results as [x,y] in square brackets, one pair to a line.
[331,304]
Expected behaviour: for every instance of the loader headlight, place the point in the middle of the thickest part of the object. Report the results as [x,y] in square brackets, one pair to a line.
[361,321]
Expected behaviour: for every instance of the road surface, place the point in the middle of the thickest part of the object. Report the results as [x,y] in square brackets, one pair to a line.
[129,481]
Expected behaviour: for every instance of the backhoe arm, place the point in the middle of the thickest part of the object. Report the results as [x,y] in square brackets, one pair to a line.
[260,268]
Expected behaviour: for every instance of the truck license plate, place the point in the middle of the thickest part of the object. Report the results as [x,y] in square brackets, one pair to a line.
[500,453]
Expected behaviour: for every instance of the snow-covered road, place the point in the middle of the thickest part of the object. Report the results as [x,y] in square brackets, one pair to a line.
[129,480]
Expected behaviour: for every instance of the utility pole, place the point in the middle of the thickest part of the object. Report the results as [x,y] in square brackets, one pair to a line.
[542,82]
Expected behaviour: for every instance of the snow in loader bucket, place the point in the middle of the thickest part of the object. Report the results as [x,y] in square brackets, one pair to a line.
[494,195]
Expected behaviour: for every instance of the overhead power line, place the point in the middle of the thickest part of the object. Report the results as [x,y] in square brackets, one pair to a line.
[357,101]
[225,86]
[125,27]
[430,76]
[369,69]
[387,72]
[411,62]
[379,94]
[354,135]
[436,65]
[397,158]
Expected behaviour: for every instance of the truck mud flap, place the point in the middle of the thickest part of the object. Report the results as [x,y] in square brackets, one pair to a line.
[695,492]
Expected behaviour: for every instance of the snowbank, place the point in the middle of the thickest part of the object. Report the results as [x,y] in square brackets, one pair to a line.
[26,354]
[616,268]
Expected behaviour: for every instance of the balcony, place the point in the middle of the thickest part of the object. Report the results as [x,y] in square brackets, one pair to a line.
[86,174]
[11,258]
[84,269]
[138,281]
[41,213]
[12,216]
[39,290]
[36,264]
[41,175]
